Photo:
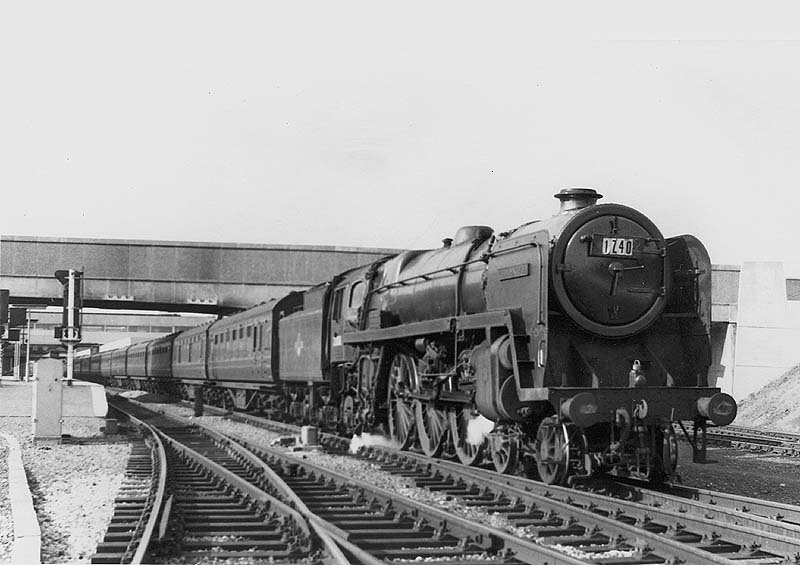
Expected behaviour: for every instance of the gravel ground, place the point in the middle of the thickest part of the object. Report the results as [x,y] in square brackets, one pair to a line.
[73,486]
[757,475]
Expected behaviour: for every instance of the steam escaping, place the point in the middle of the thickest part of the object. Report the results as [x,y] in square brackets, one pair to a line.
[478,428]
[368,440]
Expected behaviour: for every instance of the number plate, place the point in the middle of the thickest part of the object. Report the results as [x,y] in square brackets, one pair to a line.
[620,246]
[606,246]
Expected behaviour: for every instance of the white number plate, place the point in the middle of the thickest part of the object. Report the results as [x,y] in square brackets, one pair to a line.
[617,246]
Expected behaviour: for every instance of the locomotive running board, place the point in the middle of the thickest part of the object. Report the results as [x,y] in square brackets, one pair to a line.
[494,319]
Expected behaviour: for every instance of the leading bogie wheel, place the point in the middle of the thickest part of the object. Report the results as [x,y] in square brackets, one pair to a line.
[552,451]
[669,451]
[665,454]
[504,448]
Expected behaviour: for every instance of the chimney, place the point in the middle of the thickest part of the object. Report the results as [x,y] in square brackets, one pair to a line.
[577,198]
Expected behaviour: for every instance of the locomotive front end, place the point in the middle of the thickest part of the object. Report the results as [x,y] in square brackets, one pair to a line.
[629,344]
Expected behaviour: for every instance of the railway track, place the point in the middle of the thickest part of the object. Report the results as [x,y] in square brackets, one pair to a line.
[689,531]
[215,517]
[651,528]
[778,517]
[211,509]
[754,439]
[371,525]
[136,506]
[731,507]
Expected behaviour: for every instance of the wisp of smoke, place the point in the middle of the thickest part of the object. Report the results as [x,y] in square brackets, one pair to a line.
[368,440]
[478,429]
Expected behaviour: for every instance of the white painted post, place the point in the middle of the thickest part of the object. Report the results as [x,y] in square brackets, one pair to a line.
[47,399]
[28,347]
[17,348]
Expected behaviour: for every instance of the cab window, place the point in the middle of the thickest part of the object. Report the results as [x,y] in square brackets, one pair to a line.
[338,295]
[356,294]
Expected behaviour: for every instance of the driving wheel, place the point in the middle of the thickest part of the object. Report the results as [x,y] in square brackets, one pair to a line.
[402,381]
[432,427]
[469,450]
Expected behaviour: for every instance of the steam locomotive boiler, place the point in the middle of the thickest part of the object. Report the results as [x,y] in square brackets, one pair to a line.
[582,337]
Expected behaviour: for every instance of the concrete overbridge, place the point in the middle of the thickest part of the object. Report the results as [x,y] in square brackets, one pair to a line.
[215,278]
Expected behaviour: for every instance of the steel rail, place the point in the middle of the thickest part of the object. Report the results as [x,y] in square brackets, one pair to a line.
[156,507]
[746,532]
[246,488]
[142,533]
[584,505]
[523,549]
[779,522]
[725,508]
[741,437]
[772,516]
[341,537]
[329,539]
[242,485]
[747,511]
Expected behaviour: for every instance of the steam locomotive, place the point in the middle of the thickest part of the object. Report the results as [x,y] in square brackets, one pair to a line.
[580,340]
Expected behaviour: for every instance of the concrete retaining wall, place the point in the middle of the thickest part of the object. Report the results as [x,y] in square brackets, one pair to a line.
[763,339]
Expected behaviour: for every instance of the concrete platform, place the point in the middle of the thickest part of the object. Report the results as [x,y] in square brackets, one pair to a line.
[82,399]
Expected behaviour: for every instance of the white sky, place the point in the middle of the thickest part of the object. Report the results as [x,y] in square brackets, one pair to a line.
[391,125]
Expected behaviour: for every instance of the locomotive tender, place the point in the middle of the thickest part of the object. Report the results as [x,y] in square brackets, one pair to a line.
[583,338]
